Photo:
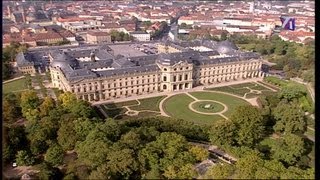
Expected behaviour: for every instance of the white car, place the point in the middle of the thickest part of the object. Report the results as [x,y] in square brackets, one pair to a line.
[14,164]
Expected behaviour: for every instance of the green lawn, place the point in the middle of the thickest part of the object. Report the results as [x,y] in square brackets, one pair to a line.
[13,86]
[231,101]
[252,95]
[120,104]
[259,88]
[243,85]
[269,85]
[151,104]
[177,107]
[239,92]
[111,113]
[148,114]
[200,106]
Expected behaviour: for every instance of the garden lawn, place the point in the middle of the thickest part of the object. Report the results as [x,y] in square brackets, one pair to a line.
[243,85]
[145,114]
[231,101]
[239,92]
[113,112]
[151,104]
[200,106]
[14,86]
[120,104]
[259,88]
[177,107]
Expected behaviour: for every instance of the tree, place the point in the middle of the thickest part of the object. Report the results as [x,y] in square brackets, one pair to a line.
[37,137]
[67,100]
[49,172]
[71,176]
[290,118]
[14,140]
[82,108]
[296,173]
[11,108]
[223,132]
[94,150]
[66,134]
[167,155]
[102,172]
[47,105]
[23,158]
[219,172]
[132,140]
[183,25]
[288,149]
[6,70]
[122,162]
[309,75]
[9,112]
[248,165]
[200,153]
[185,172]
[82,127]
[54,155]
[29,101]
[224,36]
[292,91]
[270,170]
[250,125]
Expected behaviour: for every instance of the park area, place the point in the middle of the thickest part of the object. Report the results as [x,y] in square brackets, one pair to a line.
[201,107]
[147,107]
[15,85]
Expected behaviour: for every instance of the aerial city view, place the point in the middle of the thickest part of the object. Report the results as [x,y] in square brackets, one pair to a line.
[141,89]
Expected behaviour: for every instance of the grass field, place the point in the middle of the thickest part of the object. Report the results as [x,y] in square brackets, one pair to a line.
[243,85]
[148,114]
[230,101]
[121,104]
[151,104]
[259,88]
[200,106]
[177,107]
[14,86]
[113,112]
[239,92]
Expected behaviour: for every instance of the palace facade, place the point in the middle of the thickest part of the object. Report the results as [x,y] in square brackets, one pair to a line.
[104,73]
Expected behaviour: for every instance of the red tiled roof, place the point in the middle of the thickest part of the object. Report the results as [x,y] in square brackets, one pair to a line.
[73,19]
[45,36]
[98,33]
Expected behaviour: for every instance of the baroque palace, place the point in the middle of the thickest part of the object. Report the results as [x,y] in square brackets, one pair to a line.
[110,71]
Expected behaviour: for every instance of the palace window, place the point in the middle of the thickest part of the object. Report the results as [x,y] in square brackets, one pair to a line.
[165,78]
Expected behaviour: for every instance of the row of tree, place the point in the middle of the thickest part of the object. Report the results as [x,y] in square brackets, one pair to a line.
[8,57]
[268,142]
[120,36]
[293,58]
[151,148]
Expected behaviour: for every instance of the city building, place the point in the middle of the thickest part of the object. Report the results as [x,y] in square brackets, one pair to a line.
[140,36]
[97,36]
[99,73]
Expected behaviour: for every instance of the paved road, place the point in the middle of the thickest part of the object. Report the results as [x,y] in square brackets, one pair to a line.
[13,79]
